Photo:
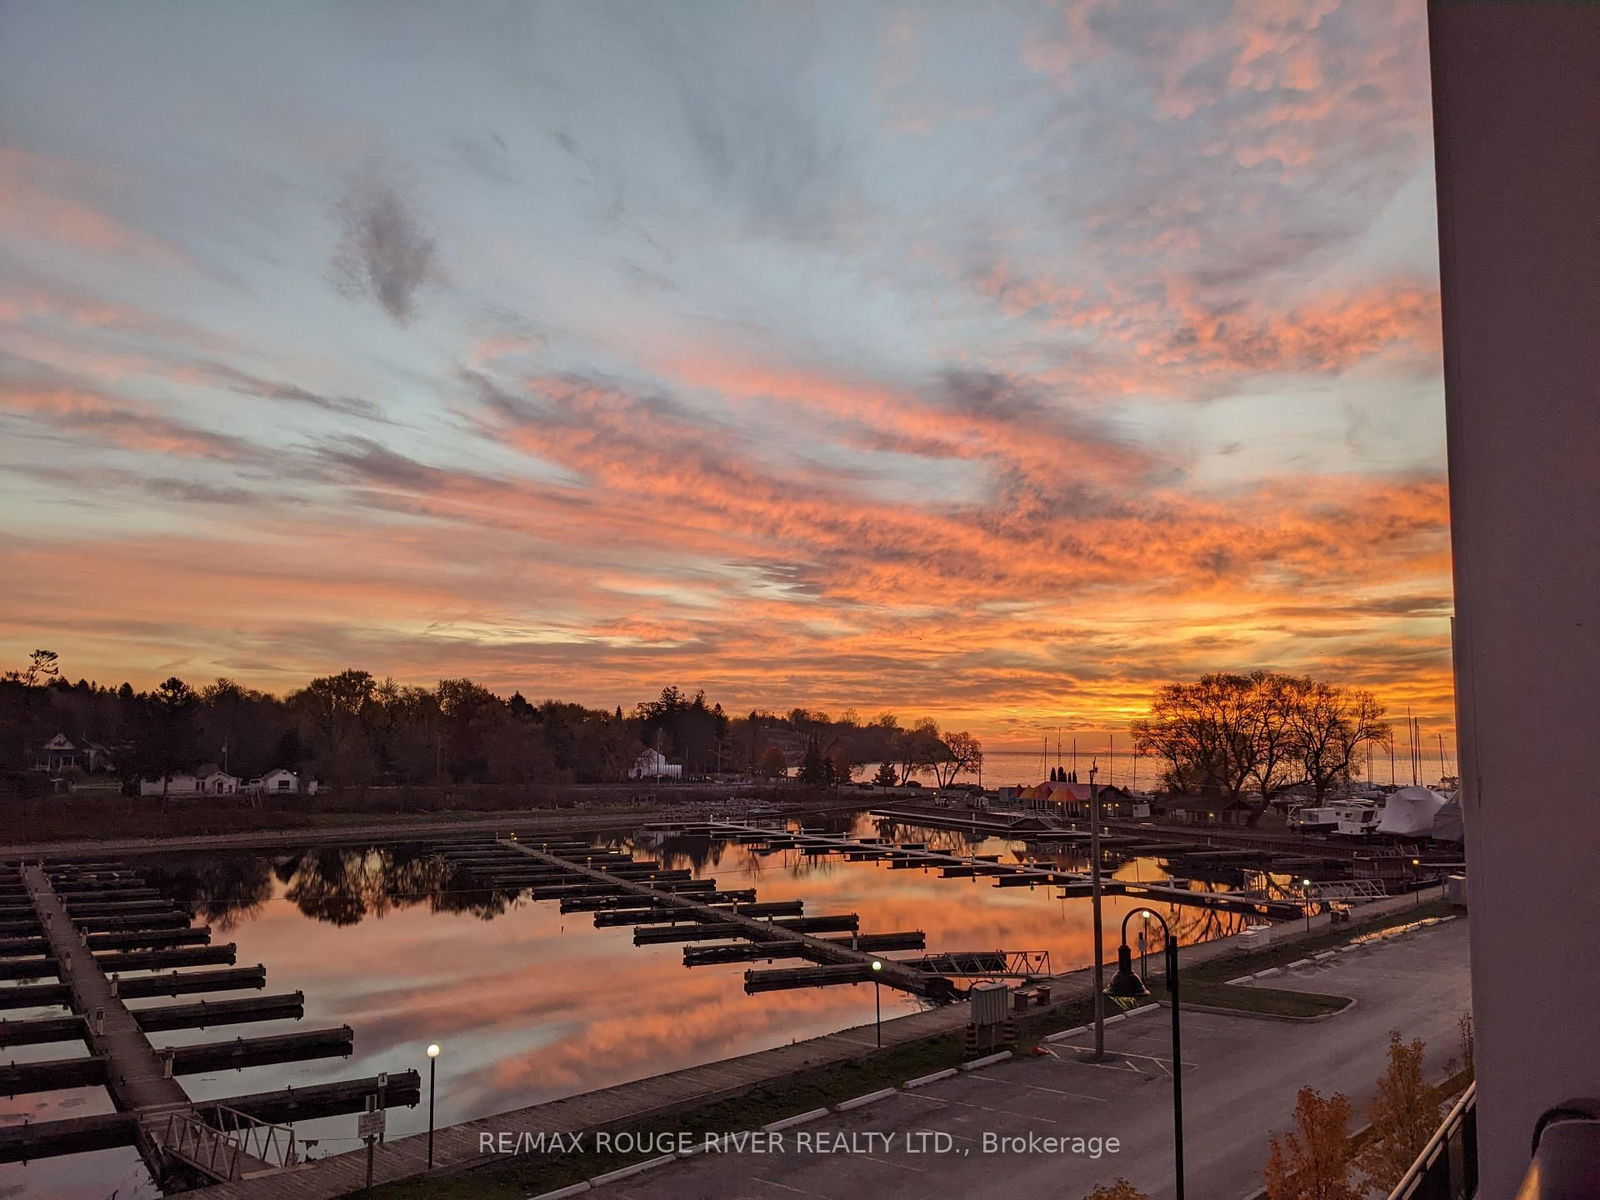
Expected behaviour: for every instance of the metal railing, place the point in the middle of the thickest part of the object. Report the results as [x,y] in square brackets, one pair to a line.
[1354,891]
[1447,1168]
[222,1142]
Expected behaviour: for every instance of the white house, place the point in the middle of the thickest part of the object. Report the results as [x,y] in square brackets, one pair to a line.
[652,764]
[218,783]
[282,782]
[61,753]
[205,780]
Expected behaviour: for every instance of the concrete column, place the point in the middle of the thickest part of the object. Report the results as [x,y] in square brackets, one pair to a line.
[1516,91]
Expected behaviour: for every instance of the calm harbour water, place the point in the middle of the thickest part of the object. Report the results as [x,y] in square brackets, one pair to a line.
[530,1004]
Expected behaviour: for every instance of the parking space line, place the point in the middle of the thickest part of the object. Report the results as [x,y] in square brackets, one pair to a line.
[1035,1087]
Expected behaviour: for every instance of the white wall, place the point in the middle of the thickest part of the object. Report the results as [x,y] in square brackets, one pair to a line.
[1516,89]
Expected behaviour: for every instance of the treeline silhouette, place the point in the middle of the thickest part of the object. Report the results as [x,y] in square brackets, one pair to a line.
[355,729]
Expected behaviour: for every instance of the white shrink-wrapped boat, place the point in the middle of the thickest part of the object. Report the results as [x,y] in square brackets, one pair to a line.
[1410,812]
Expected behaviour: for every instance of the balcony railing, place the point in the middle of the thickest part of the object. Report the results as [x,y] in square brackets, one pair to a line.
[1447,1168]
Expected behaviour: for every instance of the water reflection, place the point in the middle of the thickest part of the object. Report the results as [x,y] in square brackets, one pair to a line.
[338,886]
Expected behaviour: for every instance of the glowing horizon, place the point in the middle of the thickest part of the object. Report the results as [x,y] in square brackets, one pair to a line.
[994,366]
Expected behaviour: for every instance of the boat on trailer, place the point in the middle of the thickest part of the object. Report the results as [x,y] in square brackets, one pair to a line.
[1358,818]
[1314,818]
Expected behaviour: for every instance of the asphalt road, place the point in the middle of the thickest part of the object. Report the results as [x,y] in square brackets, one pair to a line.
[1240,1077]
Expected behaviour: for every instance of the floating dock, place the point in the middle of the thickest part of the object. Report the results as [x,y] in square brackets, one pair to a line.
[80,926]
[916,855]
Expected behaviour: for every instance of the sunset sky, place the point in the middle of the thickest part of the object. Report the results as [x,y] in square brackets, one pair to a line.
[993,362]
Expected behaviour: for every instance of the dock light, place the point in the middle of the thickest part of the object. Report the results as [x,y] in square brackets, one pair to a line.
[1126,986]
[433,1063]
[877,1001]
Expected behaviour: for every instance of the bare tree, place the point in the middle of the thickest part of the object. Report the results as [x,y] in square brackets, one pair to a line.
[1205,732]
[1331,724]
[1275,700]
[1263,732]
[962,752]
[919,748]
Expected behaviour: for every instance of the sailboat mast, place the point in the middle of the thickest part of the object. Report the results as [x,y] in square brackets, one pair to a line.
[1408,735]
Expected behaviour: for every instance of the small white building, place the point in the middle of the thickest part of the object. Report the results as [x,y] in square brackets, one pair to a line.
[282,782]
[652,764]
[218,783]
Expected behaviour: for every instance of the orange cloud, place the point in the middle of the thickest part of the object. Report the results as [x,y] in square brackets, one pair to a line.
[40,197]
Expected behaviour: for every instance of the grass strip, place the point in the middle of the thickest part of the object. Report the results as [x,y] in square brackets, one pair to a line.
[1263,1001]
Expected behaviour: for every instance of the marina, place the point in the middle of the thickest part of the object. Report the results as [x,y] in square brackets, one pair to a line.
[781,925]
[183,1144]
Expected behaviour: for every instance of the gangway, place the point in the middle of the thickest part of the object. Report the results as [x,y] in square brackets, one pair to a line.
[1348,891]
[225,1144]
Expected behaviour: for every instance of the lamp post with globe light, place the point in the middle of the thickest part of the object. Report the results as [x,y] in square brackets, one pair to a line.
[1126,985]
[877,1000]
[433,1063]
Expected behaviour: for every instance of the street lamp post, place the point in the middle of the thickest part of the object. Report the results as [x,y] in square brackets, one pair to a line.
[1126,985]
[1306,883]
[1094,904]
[433,1064]
[877,1001]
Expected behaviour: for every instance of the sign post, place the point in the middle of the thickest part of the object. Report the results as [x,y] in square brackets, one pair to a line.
[369,1128]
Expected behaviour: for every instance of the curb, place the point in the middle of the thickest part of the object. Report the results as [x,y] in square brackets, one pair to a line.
[924,1080]
[1064,1034]
[987,1061]
[859,1101]
[1261,1016]
[797,1119]
[576,1189]
[639,1168]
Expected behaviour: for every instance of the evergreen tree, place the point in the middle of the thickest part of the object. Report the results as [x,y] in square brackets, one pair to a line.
[814,768]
